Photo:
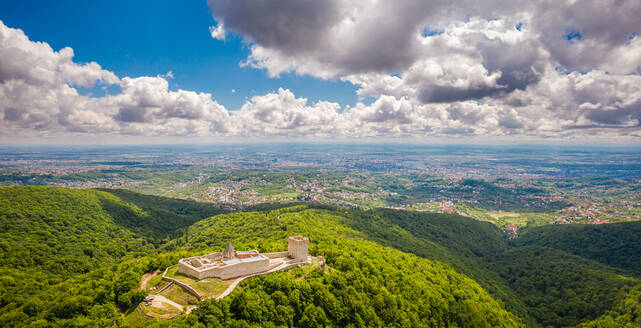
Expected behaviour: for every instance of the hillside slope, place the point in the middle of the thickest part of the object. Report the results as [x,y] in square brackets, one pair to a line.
[48,234]
[625,314]
[544,286]
[452,239]
[616,244]
[74,257]
[560,289]
[67,230]
[156,218]
[367,283]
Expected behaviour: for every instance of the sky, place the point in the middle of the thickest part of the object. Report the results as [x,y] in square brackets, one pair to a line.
[192,71]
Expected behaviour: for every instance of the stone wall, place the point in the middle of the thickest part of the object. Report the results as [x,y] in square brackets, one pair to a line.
[276,255]
[188,270]
[239,269]
[226,272]
[181,284]
[297,250]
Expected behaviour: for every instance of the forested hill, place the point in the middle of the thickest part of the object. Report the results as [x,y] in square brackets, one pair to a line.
[617,245]
[68,230]
[49,234]
[544,286]
[75,258]
[366,284]
[154,217]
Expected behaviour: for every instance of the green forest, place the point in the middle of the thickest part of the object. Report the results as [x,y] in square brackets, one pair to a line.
[75,258]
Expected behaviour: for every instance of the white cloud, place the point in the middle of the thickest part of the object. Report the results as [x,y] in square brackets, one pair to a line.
[467,67]
[217,32]
[282,113]
[36,63]
[428,70]
[147,101]
[38,96]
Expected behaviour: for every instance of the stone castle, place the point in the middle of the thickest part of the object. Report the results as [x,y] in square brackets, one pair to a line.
[232,264]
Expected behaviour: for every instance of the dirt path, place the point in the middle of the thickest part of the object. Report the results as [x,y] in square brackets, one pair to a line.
[282,265]
[230,287]
[159,300]
[146,277]
[278,265]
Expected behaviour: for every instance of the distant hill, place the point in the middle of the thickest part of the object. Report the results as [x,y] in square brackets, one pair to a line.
[617,244]
[48,234]
[75,258]
[368,284]
[560,289]
[69,230]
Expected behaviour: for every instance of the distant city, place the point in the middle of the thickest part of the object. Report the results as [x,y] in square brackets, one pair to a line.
[512,186]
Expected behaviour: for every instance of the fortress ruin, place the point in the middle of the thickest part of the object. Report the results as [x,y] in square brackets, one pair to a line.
[232,264]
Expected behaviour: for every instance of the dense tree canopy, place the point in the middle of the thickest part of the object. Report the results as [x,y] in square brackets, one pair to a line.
[617,245]
[75,258]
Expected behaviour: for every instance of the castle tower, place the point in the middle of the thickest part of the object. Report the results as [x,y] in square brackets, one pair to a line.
[297,247]
[229,252]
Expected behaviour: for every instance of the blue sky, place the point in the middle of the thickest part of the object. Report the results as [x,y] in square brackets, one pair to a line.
[147,38]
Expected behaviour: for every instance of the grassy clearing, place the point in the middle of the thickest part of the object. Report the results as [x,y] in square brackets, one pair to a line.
[285,195]
[502,214]
[173,273]
[503,218]
[156,281]
[155,309]
[136,318]
[211,287]
[167,311]
[179,295]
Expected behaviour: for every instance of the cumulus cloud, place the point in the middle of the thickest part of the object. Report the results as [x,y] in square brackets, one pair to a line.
[37,64]
[147,102]
[283,114]
[217,32]
[492,67]
[38,95]
[342,37]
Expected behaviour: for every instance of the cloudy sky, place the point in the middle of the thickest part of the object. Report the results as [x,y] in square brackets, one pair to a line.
[320,70]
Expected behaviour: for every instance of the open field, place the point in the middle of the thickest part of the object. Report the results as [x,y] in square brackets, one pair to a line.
[179,295]
[210,287]
[173,273]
